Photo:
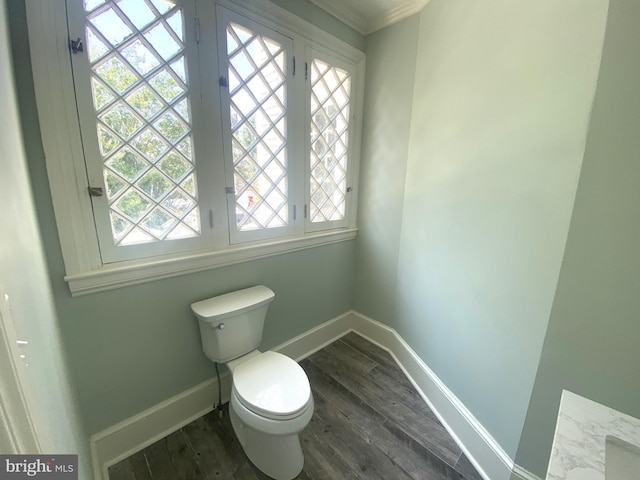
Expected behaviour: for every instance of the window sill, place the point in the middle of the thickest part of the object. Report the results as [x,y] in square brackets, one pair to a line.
[123,274]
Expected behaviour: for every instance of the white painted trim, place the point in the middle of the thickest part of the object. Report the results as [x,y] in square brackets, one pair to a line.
[135,272]
[343,13]
[122,440]
[395,15]
[55,99]
[19,434]
[67,172]
[133,434]
[479,446]
[366,25]
[521,473]
[277,16]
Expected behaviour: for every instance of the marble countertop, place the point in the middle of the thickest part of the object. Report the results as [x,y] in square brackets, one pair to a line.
[579,444]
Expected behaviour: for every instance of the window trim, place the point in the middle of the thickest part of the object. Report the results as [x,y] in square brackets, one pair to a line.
[67,172]
[353,152]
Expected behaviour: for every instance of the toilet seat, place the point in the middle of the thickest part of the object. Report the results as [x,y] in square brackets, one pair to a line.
[272,385]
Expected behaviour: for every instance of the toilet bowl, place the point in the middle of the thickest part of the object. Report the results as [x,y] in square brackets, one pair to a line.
[271,399]
[271,402]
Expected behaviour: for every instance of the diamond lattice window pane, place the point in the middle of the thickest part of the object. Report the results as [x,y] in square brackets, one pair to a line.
[175,166]
[178,203]
[114,184]
[116,74]
[182,107]
[150,145]
[237,36]
[91,4]
[122,120]
[178,67]
[142,110]
[244,101]
[140,57]
[96,47]
[181,231]
[137,236]
[274,108]
[127,164]
[119,225]
[163,6]
[166,85]
[171,127]
[192,220]
[175,22]
[133,205]
[154,184]
[185,148]
[257,114]
[145,102]
[158,222]
[164,43]
[107,141]
[189,185]
[111,26]
[330,90]
[101,95]
[138,12]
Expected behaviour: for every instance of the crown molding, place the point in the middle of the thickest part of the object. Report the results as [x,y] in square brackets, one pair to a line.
[402,11]
[364,25]
[343,13]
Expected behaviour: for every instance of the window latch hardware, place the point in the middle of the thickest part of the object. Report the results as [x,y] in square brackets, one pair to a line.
[223,82]
[96,191]
[230,190]
[76,45]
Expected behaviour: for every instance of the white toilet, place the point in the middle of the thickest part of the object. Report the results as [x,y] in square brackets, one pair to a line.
[271,400]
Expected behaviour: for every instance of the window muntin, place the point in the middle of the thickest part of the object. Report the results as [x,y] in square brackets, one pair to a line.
[139,87]
[328,156]
[69,128]
[258,117]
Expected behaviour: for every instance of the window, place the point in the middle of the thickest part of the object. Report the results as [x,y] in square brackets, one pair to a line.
[330,105]
[256,64]
[136,124]
[185,135]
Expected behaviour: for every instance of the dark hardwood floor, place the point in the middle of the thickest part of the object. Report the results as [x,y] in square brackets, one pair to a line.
[369,423]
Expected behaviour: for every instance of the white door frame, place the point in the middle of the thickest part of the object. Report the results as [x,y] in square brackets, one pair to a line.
[17,426]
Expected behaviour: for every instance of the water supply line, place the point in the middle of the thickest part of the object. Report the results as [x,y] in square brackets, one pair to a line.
[219,405]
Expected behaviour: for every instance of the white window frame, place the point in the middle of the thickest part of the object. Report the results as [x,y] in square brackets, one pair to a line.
[224,16]
[110,253]
[68,176]
[353,146]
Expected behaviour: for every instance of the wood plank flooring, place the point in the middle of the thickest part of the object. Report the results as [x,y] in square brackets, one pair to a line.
[369,423]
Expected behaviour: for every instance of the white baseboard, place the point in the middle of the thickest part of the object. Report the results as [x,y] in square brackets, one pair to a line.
[133,434]
[124,439]
[520,473]
[484,452]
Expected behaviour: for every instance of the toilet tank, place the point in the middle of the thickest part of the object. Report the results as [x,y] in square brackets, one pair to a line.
[231,324]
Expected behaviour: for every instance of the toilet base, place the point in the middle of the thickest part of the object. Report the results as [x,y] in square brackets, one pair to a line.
[278,456]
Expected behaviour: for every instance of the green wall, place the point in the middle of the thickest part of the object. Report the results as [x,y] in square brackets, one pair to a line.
[391,60]
[592,345]
[29,308]
[134,347]
[498,117]
[475,134]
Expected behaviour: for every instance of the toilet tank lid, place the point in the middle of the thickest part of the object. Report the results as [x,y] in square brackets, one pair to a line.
[232,303]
